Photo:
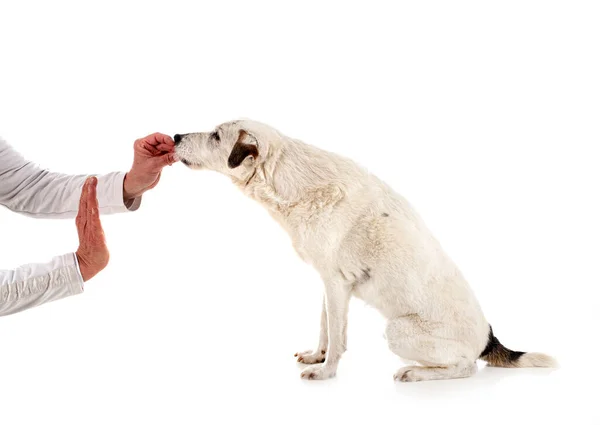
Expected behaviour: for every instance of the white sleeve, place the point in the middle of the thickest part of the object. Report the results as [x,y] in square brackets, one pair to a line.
[27,189]
[35,284]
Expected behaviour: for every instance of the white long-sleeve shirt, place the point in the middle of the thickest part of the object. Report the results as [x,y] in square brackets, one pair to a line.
[27,189]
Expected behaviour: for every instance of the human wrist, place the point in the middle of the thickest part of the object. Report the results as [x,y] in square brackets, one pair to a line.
[87,270]
[131,189]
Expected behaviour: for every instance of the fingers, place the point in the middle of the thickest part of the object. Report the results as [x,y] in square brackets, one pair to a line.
[82,221]
[92,199]
[148,147]
[93,226]
[167,159]
[159,158]
[161,141]
[83,199]
[92,202]
[164,147]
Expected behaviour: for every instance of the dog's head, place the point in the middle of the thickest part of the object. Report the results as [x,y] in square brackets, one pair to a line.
[234,148]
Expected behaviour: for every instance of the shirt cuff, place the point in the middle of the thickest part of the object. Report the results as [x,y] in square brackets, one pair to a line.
[80,276]
[110,194]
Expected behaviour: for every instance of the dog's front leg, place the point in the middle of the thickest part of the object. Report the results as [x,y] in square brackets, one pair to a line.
[337,299]
[317,356]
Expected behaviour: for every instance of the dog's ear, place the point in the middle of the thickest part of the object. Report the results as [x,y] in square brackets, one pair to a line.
[241,151]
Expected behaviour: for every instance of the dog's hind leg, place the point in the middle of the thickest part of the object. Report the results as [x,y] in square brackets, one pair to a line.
[435,346]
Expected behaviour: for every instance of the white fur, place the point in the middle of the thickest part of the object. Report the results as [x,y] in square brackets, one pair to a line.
[365,240]
[536,360]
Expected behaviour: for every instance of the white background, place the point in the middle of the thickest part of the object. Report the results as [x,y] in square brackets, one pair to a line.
[485,115]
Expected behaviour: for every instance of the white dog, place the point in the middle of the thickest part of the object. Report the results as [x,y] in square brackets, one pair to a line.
[364,240]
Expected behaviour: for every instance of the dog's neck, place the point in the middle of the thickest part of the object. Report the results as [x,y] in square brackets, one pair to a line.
[294,175]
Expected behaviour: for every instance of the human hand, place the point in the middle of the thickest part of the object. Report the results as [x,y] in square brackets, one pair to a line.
[150,155]
[92,253]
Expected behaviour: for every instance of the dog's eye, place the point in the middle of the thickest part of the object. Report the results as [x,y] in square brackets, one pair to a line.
[215,136]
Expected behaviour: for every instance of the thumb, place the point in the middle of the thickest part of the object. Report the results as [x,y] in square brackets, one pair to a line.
[167,159]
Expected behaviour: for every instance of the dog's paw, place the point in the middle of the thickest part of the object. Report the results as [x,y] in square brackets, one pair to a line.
[311,357]
[317,372]
[406,374]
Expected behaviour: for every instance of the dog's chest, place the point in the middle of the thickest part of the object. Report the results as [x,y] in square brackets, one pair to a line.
[316,243]
[313,248]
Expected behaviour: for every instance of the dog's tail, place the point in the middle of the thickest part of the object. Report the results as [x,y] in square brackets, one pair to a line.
[498,355]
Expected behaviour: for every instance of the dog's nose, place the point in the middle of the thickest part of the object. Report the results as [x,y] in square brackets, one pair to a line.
[177,138]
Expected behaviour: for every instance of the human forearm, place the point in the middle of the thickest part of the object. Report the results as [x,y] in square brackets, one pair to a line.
[32,191]
[31,285]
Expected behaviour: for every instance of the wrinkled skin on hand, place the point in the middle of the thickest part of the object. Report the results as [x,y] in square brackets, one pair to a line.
[92,253]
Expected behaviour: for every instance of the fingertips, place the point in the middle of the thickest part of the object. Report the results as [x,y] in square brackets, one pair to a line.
[86,184]
[172,158]
[84,195]
[167,159]
[91,199]
[92,187]
[90,184]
